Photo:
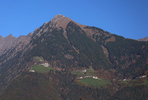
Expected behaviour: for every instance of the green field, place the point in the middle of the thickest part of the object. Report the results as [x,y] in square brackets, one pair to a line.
[42,68]
[124,82]
[89,72]
[38,58]
[95,82]
[144,83]
[79,73]
[90,81]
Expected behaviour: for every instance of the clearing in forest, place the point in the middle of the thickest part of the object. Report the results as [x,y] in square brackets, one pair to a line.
[42,69]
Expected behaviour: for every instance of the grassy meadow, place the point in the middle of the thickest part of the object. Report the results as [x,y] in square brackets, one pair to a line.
[90,81]
[95,82]
[42,68]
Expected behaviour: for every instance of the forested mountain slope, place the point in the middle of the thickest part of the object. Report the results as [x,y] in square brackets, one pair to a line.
[66,45]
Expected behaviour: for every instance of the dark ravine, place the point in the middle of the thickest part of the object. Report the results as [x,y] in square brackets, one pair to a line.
[65,44]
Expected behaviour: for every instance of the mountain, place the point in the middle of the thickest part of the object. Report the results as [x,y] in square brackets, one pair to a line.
[10,42]
[143,39]
[83,58]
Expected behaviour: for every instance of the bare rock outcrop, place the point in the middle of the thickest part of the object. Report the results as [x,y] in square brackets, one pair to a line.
[143,39]
[11,41]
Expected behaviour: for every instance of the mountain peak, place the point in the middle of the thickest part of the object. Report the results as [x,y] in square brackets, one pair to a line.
[57,17]
[60,21]
[10,36]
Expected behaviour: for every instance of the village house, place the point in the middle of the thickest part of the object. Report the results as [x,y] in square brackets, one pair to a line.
[83,70]
[81,77]
[95,77]
[31,70]
[142,76]
[126,79]
[45,64]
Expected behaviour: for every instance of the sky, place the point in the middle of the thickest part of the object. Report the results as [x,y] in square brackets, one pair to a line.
[127,18]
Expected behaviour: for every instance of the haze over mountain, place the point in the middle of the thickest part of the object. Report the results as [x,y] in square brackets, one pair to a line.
[63,55]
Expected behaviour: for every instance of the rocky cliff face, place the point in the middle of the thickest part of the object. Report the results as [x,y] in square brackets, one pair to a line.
[10,42]
[143,39]
[6,43]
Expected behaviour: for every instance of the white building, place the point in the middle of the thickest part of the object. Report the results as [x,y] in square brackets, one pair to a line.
[142,76]
[45,64]
[83,70]
[31,70]
[95,77]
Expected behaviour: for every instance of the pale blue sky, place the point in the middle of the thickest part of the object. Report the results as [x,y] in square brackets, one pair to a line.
[127,18]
